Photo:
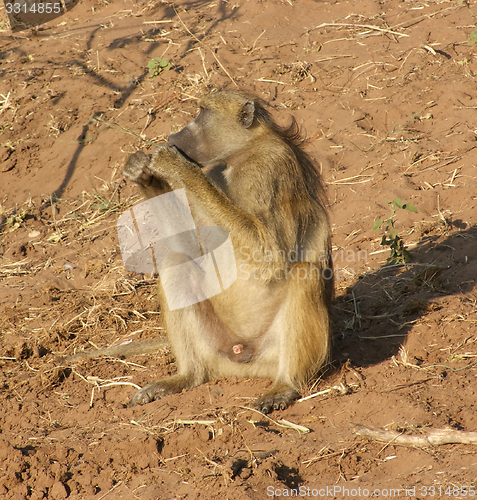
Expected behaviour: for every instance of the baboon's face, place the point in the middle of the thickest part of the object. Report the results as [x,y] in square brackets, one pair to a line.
[221,130]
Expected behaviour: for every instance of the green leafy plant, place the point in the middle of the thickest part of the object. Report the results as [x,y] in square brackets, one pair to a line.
[391,238]
[473,35]
[13,221]
[157,65]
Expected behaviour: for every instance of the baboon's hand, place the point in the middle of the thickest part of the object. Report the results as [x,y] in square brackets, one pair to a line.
[136,168]
[169,163]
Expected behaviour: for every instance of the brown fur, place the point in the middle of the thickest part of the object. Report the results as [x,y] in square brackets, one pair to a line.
[243,172]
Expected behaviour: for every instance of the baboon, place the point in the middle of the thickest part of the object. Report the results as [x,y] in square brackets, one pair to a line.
[243,172]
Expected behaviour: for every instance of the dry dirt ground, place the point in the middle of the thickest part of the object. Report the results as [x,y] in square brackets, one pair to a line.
[386,91]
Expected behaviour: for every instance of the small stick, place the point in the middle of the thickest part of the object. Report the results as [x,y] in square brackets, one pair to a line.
[270,81]
[203,62]
[111,490]
[350,25]
[431,438]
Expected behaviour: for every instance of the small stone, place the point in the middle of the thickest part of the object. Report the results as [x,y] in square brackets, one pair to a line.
[58,491]
[246,473]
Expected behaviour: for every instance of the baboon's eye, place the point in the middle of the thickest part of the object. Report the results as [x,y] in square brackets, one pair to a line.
[201,112]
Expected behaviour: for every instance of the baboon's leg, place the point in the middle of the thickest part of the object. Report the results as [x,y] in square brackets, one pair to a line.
[198,338]
[303,331]
[185,331]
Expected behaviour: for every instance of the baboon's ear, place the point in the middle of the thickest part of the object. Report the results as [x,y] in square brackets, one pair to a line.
[247,114]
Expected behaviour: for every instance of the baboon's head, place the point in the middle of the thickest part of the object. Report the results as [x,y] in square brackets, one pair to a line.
[226,124]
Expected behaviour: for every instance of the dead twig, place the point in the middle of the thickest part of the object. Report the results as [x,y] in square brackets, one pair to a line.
[363,26]
[435,437]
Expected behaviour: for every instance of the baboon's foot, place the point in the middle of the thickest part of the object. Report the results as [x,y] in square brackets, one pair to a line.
[278,397]
[136,169]
[158,389]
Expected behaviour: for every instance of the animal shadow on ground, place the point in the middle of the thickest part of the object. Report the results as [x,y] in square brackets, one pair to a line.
[374,318]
